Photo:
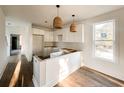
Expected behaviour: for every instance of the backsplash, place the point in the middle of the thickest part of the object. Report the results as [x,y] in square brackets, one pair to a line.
[50,47]
[72,45]
[48,44]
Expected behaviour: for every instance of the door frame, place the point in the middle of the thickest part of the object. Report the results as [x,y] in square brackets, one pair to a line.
[18,37]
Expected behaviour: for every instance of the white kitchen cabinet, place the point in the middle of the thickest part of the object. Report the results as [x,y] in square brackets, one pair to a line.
[48,36]
[65,34]
[56,34]
[68,36]
[51,36]
[53,70]
[38,72]
[37,31]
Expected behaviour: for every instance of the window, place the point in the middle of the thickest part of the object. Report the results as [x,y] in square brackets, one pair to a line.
[104,42]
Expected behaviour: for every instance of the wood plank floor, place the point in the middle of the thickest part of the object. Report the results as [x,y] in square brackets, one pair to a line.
[26,72]
[24,78]
[83,77]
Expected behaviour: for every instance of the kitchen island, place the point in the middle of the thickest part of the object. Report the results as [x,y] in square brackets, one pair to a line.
[48,72]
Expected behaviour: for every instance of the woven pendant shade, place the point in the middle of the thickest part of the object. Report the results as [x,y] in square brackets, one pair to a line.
[73,27]
[57,22]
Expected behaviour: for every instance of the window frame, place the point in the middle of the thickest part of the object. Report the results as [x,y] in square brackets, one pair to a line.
[114,42]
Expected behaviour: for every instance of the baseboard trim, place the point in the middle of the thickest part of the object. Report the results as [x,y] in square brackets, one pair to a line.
[1,74]
[111,78]
[35,82]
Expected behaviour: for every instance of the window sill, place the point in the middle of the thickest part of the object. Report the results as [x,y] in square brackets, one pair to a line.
[104,59]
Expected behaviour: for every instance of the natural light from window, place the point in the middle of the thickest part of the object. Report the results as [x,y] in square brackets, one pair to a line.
[104,40]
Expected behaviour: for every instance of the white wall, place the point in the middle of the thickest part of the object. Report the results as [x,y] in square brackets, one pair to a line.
[3,44]
[113,69]
[68,36]
[23,29]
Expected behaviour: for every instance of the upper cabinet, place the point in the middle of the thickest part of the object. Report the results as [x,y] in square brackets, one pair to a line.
[48,35]
[37,31]
[64,35]
[56,36]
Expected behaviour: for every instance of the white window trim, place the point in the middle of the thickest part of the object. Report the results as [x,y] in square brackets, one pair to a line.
[115,43]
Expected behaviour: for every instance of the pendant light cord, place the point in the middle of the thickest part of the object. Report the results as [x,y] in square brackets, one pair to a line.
[57,9]
[73,17]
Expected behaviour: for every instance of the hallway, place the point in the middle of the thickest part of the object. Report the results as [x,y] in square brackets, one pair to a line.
[18,73]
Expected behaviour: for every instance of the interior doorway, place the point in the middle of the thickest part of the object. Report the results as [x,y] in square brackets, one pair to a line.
[15,44]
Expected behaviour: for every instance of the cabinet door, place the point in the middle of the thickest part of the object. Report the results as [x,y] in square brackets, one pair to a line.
[51,36]
[68,36]
[48,36]
[52,72]
[65,35]
[56,35]
[37,31]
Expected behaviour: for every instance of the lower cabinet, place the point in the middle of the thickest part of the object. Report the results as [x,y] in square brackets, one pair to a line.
[56,69]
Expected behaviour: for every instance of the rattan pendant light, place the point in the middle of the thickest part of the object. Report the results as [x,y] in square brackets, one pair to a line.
[57,22]
[73,25]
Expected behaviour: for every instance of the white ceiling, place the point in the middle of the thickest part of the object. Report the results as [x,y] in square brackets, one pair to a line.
[38,14]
